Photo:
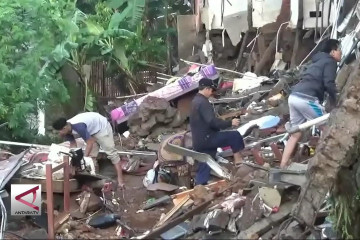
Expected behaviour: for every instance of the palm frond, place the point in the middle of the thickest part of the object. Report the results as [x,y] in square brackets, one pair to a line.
[115,3]
[137,7]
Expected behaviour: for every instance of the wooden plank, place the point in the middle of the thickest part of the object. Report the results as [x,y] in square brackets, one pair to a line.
[196,210]
[211,185]
[61,219]
[173,211]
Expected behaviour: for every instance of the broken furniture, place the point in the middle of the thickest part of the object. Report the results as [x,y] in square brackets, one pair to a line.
[176,164]
[201,157]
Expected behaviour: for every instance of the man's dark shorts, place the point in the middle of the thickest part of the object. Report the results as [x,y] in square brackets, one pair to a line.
[219,139]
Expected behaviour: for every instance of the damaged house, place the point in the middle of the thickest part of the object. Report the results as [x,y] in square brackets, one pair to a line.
[256,50]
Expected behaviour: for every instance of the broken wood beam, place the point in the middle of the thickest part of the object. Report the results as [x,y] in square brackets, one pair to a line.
[267,59]
[197,210]
[173,211]
[241,53]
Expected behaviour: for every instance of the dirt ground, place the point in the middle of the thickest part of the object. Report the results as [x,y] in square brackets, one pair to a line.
[130,201]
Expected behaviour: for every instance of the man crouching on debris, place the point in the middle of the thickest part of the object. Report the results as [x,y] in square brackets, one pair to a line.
[306,96]
[205,129]
[96,131]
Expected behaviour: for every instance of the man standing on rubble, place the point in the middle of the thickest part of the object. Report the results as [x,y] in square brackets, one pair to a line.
[96,131]
[306,96]
[205,129]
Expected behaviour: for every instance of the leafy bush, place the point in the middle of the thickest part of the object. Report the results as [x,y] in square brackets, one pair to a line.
[29,32]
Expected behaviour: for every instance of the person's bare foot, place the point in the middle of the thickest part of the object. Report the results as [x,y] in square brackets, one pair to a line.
[237,159]
[121,183]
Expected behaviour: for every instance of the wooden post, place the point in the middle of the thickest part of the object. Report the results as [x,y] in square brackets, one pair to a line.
[66,184]
[50,201]
[241,53]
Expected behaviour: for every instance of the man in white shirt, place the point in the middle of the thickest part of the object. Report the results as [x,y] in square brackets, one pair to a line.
[96,131]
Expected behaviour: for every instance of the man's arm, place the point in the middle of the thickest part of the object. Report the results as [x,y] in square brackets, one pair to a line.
[208,114]
[72,140]
[89,145]
[81,129]
[329,81]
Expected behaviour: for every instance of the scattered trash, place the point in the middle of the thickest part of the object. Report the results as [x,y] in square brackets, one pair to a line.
[232,202]
[103,220]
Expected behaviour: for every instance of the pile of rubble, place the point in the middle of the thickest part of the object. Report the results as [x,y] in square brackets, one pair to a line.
[250,203]
[154,116]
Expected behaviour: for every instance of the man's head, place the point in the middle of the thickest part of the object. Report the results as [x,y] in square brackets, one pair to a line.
[332,47]
[207,87]
[62,126]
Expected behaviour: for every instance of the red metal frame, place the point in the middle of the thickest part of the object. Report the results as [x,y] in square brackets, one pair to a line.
[258,158]
[52,223]
[276,151]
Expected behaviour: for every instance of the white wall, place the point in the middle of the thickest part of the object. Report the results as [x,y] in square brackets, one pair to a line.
[265,11]
[237,6]
[309,6]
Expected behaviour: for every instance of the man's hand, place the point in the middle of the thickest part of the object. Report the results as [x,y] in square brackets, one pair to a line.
[89,146]
[235,122]
[73,144]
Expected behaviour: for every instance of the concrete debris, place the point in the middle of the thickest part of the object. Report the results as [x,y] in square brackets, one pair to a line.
[152,113]
[216,220]
[266,224]
[36,234]
[89,202]
[293,231]
[198,222]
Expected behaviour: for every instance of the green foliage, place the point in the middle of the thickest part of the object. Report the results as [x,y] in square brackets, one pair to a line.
[142,51]
[38,37]
[131,11]
[341,215]
[29,32]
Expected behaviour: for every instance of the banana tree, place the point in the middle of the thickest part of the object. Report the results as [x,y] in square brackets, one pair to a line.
[88,39]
